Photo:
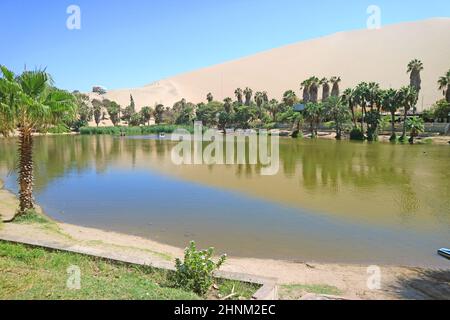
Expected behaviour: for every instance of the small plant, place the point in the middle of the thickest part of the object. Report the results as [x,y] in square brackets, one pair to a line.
[195,273]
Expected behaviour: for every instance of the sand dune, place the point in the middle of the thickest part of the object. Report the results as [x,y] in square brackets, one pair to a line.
[362,55]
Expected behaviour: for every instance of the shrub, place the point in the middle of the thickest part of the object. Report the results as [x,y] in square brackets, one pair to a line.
[195,273]
[134,131]
[357,134]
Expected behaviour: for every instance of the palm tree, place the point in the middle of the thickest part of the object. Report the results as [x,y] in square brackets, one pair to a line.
[273,107]
[390,103]
[361,98]
[313,114]
[305,87]
[325,88]
[407,96]
[414,68]
[415,126]
[209,97]
[29,103]
[349,98]
[228,105]
[146,114]
[314,89]
[444,85]
[338,111]
[248,96]
[238,94]
[335,91]
[289,98]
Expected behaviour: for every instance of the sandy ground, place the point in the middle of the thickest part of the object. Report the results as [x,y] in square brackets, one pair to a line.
[281,69]
[351,280]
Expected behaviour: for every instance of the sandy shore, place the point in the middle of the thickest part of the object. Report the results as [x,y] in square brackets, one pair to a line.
[396,282]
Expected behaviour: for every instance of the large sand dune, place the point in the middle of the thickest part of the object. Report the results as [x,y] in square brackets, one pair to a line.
[362,55]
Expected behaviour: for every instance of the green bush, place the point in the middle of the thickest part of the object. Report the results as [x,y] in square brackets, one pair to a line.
[357,134]
[195,273]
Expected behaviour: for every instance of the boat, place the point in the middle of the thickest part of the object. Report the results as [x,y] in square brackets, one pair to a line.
[444,252]
[162,135]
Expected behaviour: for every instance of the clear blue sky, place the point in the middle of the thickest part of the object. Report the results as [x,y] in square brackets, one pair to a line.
[131,43]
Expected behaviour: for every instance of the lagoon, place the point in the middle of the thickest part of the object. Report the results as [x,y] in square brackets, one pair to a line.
[331,201]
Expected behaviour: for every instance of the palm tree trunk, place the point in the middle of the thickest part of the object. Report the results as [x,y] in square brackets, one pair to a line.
[393,126]
[25,170]
[404,123]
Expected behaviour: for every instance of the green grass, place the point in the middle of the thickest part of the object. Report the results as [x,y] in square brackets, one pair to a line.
[133,131]
[35,273]
[241,289]
[294,291]
[31,216]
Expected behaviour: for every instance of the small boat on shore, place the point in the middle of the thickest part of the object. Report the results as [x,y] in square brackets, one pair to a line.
[444,253]
[162,135]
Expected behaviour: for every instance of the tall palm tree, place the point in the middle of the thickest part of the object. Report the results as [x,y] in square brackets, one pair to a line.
[414,68]
[407,96]
[314,89]
[305,87]
[248,93]
[325,88]
[349,98]
[444,85]
[31,103]
[361,98]
[228,105]
[335,91]
[390,103]
[239,95]
[209,97]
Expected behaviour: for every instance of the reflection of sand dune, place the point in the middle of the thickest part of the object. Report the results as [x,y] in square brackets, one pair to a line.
[364,55]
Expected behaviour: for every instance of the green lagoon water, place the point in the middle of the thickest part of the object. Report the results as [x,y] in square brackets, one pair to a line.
[330,201]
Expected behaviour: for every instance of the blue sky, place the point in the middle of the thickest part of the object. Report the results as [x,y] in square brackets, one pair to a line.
[132,43]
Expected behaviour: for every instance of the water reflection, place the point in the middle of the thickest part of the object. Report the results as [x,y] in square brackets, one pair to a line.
[404,189]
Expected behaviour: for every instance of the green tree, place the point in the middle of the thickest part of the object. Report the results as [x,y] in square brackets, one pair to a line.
[207,113]
[239,95]
[273,107]
[414,68]
[248,93]
[113,110]
[305,87]
[313,115]
[290,98]
[159,111]
[407,96]
[325,83]
[444,85]
[349,99]
[244,115]
[335,91]
[415,126]
[97,107]
[390,103]
[228,105]
[135,119]
[146,115]
[314,89]
[29,102]
[336,109]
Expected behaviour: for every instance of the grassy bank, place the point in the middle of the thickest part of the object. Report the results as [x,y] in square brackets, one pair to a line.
[133,131]
[35,273]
